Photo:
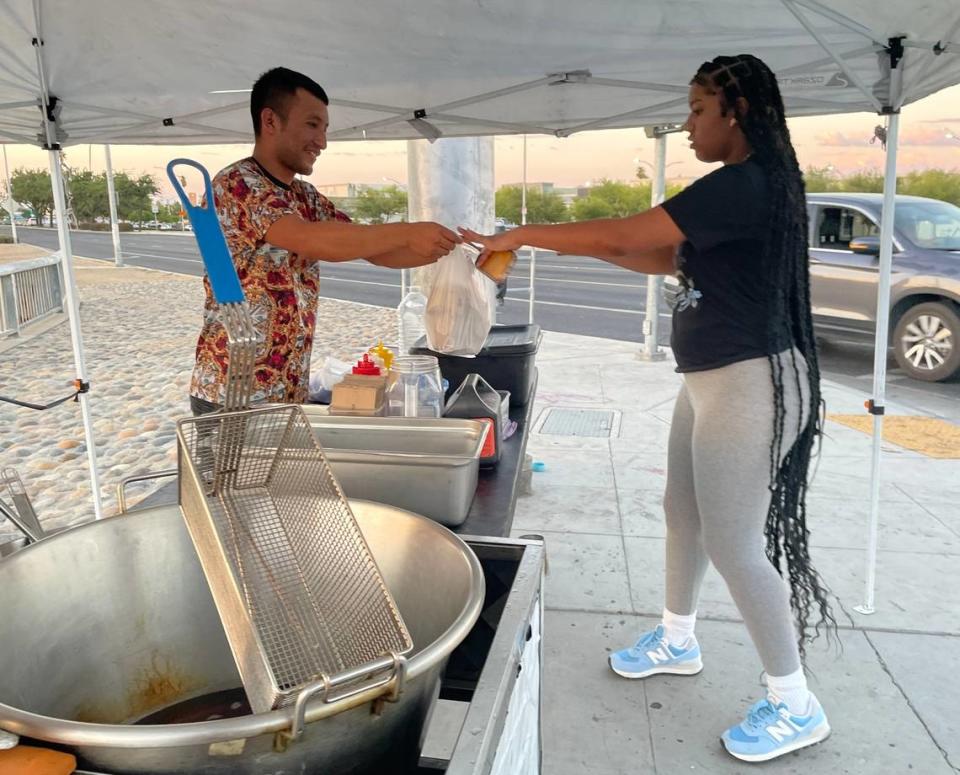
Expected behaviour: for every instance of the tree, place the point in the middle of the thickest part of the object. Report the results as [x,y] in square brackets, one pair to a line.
[642,173]
[134,196]
[167,213]
[820,180]
[381,205]
[935,184]
[542,207]
[589,208]
[508,203]
[673,189]
[33,187]
[91,201]
[612,199]
[863,182]
[89,195]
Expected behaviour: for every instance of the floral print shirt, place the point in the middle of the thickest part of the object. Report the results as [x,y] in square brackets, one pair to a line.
[281,288]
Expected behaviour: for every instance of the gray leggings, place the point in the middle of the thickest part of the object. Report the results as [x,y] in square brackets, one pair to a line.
[717,496]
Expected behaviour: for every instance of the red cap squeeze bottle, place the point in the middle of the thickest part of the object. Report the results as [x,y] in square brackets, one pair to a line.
[366,367]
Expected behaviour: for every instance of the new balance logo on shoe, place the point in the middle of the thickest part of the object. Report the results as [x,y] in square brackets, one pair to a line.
[660,655]
[784,728]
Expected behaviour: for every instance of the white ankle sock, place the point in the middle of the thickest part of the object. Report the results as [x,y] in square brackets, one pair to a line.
[677,628]
[792,690]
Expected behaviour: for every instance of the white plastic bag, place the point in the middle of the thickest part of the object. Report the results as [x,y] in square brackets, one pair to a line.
[457,319]
[322,381]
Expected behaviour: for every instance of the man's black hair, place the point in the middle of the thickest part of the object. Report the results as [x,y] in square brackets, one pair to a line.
[274,89]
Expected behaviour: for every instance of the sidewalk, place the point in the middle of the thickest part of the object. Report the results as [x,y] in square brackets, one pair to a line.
[598,506]
[891,692]
[140,330]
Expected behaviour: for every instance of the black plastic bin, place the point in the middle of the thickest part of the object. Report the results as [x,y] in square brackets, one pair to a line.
[506,361]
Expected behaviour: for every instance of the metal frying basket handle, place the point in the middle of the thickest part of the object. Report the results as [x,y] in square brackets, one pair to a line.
[23,514]
[209,235]
[227,291]
[124,483]
[390,685]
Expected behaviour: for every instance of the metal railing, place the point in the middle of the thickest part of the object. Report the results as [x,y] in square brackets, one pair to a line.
[29,291]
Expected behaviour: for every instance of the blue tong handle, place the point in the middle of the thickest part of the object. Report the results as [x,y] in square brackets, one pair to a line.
[213,247]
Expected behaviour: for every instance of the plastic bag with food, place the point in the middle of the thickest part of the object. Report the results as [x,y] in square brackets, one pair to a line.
[457,318]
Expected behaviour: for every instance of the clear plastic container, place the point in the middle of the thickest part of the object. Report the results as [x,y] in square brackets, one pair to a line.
[410,317]
[415,388]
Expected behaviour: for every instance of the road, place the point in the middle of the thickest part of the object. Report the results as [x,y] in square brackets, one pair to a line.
[574,295]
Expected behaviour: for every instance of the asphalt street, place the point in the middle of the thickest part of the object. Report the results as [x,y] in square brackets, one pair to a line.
[574,294]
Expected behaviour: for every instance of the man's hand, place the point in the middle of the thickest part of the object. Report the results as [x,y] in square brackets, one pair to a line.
[430,240]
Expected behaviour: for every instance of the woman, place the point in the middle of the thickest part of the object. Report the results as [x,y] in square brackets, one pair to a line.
[747,415]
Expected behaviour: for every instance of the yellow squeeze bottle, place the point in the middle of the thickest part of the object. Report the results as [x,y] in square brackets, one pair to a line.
[383,354]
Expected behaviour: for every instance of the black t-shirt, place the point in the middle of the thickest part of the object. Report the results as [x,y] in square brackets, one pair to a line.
[721,314]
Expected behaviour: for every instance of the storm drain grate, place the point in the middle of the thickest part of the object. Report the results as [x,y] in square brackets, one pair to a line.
[560,421]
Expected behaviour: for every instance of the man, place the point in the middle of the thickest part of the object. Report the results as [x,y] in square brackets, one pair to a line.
[278,229]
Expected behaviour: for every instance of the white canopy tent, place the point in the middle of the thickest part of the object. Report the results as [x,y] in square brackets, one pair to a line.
[177,72]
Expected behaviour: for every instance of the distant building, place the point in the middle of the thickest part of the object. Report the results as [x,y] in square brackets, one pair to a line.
[566,193]
[351,190]
[340,190]
[344,195]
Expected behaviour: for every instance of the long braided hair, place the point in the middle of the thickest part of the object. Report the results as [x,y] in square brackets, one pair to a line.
[787,284]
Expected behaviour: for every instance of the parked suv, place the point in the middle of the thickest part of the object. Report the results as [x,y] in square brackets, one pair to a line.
[924,285]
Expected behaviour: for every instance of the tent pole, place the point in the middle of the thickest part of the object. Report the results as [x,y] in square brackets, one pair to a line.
[13,206]
[70,292]
[49,111]
[112,195]
[523,222]
[876,404]
[651,319]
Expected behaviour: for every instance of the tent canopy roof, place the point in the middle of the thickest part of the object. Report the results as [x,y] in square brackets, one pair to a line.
[178,71]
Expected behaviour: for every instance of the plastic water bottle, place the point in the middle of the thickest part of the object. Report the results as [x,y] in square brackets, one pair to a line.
[410,317]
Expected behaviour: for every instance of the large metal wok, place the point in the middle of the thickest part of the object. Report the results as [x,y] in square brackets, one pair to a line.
[110,622]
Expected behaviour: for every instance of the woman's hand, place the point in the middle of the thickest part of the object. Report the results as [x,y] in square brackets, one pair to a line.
[508,240]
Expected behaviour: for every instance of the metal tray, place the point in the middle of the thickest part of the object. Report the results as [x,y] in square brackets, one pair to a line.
[427,466]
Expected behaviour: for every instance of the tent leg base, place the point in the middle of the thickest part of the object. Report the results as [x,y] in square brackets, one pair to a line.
[658,355]
[865,610]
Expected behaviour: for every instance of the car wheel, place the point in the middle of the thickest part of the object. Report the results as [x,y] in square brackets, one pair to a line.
[926,341]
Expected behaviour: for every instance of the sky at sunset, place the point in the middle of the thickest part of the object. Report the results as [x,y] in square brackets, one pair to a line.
[841,141]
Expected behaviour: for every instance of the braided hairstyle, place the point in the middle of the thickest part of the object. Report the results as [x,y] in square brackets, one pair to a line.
[787,284]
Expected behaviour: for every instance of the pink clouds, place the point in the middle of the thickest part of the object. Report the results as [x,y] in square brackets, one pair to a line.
[919,136]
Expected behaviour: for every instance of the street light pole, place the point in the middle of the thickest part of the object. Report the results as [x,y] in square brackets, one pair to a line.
[10,204]
[523,188]
[653,170]
[112,196]
[404,279]
[651,319]
[523,222]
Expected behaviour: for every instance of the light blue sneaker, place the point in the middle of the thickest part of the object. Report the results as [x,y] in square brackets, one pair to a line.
[770,730]
[651,655]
